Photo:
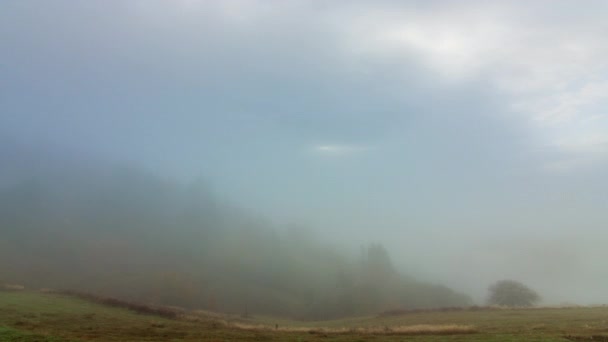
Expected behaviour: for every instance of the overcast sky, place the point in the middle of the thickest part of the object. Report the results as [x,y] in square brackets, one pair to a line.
[469,137]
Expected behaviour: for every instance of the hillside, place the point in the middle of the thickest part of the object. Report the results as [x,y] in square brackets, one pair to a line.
[123,232]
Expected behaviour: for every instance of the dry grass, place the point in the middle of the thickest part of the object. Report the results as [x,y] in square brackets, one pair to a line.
[12,287]
[418,329]
[59,318]
[401,312]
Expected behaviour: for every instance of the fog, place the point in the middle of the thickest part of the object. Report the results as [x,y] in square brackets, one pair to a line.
[468,140]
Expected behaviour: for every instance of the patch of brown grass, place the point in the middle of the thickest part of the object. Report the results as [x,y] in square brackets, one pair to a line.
[432,329]
[401,312]
[599,338]
[12,287]
[419,329]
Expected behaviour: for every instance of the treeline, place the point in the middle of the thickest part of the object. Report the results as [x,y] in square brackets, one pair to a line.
[124,233]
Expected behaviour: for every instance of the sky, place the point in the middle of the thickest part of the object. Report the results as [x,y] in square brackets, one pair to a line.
[469,137]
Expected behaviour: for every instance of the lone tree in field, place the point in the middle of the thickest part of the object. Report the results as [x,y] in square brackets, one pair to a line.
[512,293]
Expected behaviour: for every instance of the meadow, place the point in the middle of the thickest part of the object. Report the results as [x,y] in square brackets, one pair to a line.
[52,317]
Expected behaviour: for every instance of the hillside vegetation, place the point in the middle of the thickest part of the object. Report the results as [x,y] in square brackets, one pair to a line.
[122,232]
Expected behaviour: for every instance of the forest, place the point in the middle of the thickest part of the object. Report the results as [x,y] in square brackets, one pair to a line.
[121,231]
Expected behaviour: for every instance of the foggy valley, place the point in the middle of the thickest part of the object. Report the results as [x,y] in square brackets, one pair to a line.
[305,161]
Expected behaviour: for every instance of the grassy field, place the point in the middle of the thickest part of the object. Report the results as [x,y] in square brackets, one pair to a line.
[32,316]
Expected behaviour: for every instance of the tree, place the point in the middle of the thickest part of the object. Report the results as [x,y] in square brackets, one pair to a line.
[378,263]
[511,293]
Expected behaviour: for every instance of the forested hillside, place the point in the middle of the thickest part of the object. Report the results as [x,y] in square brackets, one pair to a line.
[70,224]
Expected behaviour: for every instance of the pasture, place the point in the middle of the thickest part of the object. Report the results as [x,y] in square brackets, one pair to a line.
[46,317]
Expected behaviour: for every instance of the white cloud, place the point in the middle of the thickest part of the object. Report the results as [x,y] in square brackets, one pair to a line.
[578,152]
[567,106]
[452,41]
[553,73]
[339,149]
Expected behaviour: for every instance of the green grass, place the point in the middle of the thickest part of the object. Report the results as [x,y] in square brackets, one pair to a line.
[30,316]
[14,335]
